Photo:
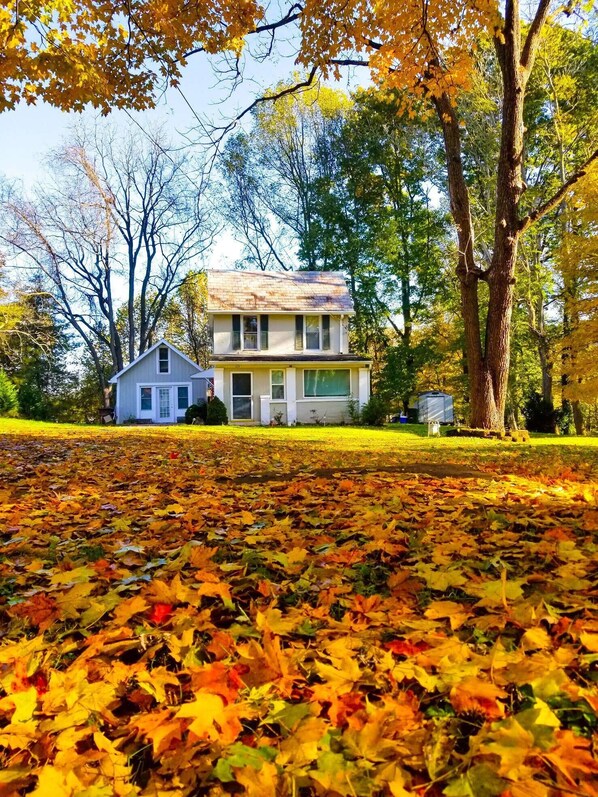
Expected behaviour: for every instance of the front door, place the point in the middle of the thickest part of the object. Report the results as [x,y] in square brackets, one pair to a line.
[242,402]
[165,405]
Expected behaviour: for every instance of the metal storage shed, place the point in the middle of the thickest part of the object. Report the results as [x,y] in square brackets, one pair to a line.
[435,406]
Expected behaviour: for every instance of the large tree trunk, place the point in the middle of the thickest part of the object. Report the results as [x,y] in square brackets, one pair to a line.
[485,410]
[488,358]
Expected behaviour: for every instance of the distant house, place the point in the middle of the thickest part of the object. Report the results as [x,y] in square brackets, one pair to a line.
[159,385]
[281,346]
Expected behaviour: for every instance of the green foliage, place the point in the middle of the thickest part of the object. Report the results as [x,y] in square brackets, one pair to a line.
[34,354]
[216,413]
[184,320]
[540,415]
[199,410]
[353,411]
[8,395]
[374,412]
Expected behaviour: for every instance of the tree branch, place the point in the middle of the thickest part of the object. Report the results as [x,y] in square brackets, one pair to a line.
[283,93]
[533,36]
[556,198]
[347,62]
[292,14]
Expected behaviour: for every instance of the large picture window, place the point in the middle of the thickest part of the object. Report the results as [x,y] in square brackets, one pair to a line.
[241,396]
[327,383]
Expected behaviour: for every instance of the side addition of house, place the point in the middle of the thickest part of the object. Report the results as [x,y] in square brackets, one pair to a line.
[281,347]
[159,385]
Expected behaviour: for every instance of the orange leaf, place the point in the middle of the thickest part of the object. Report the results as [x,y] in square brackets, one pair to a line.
[481,697]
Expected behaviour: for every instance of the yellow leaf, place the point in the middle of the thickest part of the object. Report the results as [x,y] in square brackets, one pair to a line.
[341,678]
[536,639]
[25,704]
[164,735]
[75,576]
[156,680]
[206,710]
[18,736]
[128,608]
[589,641]
[274,620]
[455,612]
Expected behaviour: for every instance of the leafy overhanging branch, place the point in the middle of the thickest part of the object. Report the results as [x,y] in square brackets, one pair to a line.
[558,196]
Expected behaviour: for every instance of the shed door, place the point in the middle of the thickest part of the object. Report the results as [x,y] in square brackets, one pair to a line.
[165,408]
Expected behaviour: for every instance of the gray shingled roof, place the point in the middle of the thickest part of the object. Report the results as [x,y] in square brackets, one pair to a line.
[278,291]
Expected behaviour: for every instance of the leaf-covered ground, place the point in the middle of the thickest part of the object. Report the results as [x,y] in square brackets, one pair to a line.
[193,611]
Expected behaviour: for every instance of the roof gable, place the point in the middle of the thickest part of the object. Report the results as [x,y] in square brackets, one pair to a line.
[147,352]
[278,292]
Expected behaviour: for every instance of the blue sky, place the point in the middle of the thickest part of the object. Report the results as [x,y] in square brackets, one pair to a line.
[28,133]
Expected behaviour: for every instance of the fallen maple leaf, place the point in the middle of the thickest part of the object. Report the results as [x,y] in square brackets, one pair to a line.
[481,697]
[159,613]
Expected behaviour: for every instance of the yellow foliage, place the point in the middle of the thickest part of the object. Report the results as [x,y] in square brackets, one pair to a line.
[111,55]
[578,260]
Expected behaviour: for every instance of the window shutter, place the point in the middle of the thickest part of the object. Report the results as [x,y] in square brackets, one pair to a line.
[326,332]
[263,332]
[236,332]
[298,332]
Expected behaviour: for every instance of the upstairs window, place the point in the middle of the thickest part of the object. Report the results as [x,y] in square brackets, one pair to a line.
[251,330]
[163,360]
[312,331]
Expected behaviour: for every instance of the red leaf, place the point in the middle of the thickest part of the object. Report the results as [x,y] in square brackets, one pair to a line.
[402,647]
[160,612]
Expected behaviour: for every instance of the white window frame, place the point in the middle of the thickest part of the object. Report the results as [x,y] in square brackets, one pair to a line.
[158,371]
[154,386]
[320,332]
[233,396]
[284,384]
[259,331]
[151,409]
[325,398]
[176,401]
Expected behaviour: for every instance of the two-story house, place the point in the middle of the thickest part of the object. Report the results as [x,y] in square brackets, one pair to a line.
[281,347]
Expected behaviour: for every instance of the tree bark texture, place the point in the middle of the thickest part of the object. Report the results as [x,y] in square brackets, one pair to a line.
[488,354]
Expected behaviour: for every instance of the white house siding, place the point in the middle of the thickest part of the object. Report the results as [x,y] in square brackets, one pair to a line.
[332,410]
[319,411]
[281,334]
[145,373]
